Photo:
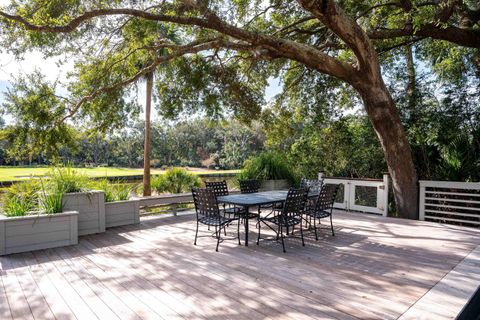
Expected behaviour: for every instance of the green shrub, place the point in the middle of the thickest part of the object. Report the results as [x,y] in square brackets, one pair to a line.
[175,180]
[67,179]
[31,195]
[122,191]
[50,200]
[266,166]
[114,191]
[16,206]
[104,186]
[51,203]
[20,198]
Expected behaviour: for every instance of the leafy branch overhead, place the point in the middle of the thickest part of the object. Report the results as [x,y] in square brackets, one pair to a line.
[218,56]
[121,42]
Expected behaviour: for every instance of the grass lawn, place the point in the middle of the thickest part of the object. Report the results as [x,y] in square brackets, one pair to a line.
[20,173]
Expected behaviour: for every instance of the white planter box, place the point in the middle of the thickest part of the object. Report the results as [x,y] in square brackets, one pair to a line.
[269,185]
[120,213]
[41,231]
[91,210]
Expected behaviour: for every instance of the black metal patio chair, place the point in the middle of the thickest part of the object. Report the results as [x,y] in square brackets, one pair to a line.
[252,186]
[323,206]
[288,217]
[220,188]
[208,213]
[249,186]
[313,185]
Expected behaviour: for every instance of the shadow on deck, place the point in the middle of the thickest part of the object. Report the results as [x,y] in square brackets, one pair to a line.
[374,267]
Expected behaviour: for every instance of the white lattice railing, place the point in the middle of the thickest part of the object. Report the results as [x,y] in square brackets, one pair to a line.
[446,201]
[366,195]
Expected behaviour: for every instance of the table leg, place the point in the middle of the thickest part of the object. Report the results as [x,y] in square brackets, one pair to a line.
[246,226]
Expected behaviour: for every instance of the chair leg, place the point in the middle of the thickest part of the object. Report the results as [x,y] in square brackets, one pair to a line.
[315,227]
[331,225]
[259,227]
[238,231]
[218,232]
[283,241]
[301,234]
[196,234]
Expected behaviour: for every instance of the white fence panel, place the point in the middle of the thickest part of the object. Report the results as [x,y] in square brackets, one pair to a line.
[367,195]
[448,201]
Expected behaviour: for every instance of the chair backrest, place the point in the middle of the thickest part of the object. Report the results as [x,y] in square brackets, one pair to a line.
[205,201]
[249,186]
[326,197]
[295,202]
[219,187]
[314,185]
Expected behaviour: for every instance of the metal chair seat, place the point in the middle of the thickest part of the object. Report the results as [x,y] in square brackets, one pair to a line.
[233,211]
[318,214]
[284,221]
[215,220]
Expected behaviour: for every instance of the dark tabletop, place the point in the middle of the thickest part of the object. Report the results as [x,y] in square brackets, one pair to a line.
[257,198]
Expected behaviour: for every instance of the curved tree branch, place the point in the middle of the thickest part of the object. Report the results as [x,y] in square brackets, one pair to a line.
[332,16]
[308,55]
[464,37]
[178,51]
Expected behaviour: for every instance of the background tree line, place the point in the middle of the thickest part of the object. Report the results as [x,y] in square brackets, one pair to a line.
[197,142]
[313,133]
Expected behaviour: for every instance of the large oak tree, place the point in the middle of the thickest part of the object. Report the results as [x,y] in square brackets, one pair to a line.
[226,44]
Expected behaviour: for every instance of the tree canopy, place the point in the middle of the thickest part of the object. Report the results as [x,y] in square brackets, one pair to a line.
[224,53]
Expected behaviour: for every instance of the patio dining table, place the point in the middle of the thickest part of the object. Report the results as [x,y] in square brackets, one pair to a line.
[257,199]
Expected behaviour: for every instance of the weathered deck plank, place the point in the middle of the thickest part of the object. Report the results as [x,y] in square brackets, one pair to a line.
[375,268]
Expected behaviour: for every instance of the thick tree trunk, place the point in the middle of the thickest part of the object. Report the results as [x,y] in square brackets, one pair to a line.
[146,150]
[386,121]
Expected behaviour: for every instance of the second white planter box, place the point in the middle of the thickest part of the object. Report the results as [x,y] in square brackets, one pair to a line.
[91,210]
[269,185]
[120,213]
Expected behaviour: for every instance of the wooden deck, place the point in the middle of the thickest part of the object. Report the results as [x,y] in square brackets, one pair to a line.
[375,268]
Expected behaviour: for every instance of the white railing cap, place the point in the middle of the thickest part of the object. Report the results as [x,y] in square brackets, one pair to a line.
[450,184]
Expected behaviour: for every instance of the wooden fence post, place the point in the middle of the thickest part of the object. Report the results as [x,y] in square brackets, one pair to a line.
[385,194]
[421,204]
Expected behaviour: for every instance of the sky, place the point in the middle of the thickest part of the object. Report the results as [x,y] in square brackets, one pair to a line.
[11,68]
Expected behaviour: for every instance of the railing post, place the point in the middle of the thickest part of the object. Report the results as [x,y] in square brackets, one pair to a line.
[321,175]
[421,204]
[385,194]
[348,195]
[174,209]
